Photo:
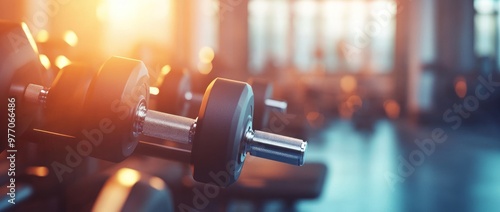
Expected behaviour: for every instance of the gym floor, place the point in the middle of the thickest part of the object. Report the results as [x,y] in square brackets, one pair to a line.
[460,175]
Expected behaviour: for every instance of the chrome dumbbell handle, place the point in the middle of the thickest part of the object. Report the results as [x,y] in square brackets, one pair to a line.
[36,94]
[277,105]
[168,127]
[276,147]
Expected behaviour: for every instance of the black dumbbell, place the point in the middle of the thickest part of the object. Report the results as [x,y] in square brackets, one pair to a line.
[264,104]
[113,113]
[176,97]
[19,67]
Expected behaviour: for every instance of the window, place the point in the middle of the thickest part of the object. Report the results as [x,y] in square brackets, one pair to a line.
[485,27]
[486,32]
[338,35]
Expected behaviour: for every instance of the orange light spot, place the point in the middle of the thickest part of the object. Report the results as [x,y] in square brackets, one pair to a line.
[157,183]
[392,109]
[128,177]
[206,54]
[165,70]
[204,68]
[42,36]
[70,38]
[115,191]
[348,84]
[40,171]
[154,91]
[460,87]
[45,61]
[62,61]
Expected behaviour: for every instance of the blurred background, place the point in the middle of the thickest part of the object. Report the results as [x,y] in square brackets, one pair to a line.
[399,99]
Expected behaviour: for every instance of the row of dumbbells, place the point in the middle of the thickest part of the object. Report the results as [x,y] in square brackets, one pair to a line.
[114,100]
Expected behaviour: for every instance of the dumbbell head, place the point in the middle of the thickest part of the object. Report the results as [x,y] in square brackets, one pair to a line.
[119,89]
[224,118]
[66,99]
[171,99]
[19,66]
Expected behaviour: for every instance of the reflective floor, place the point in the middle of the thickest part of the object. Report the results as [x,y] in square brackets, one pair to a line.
[383,170]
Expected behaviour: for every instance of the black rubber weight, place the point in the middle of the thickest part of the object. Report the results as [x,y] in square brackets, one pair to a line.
[113,97]
[225,115]
[67,96]
[19,67]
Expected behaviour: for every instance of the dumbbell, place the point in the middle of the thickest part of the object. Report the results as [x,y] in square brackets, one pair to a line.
[176,97]
[112,113]
[264,104]
[19,66]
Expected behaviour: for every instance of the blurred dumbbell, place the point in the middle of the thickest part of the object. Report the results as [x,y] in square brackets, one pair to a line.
[19,70]
[177,97]
[112,112]
[264,104]
[19,67]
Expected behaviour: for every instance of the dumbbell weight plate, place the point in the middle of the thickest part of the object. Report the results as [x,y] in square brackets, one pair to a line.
[66,99]
[171,97]
[225,115]
[19,67]
[262,89]
[114,95]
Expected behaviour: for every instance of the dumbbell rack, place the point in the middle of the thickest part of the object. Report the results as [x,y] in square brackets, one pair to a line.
[114,102]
